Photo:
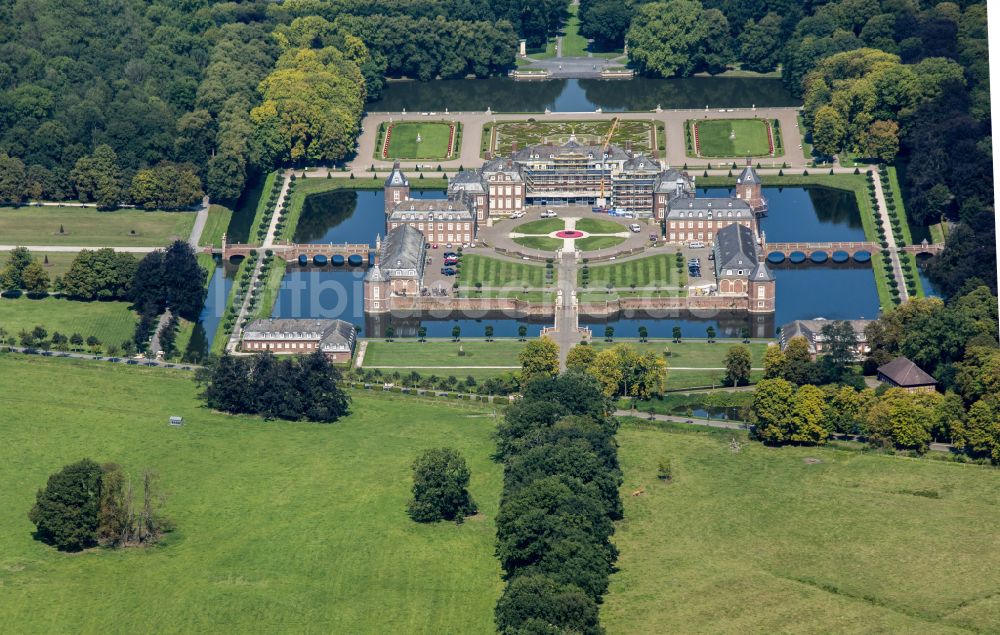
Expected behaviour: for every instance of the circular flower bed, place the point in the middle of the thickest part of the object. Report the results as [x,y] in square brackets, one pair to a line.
[569,233]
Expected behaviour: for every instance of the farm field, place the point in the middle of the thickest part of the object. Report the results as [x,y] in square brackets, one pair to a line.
[749,137]
[281,527]
[641,134]
[848,544]
[87,227]
[642,272]
[110,322]
[433,141]
[492,272]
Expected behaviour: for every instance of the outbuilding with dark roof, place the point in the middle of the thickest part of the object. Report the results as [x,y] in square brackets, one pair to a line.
[902,373]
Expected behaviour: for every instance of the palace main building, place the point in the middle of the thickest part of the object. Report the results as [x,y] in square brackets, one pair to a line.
[573,174]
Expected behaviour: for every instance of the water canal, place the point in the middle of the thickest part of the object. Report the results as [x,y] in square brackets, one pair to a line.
[502,94]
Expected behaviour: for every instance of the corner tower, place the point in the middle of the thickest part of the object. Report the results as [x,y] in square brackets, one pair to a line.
[748,188]
[397,188]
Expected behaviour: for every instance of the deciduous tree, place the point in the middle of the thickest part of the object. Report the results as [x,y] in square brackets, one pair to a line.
[738,363]
[539,358]
[440,487]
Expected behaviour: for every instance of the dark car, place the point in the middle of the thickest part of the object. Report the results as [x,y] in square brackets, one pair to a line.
[168,365]
[113,359]
[63,354]
[131,362]
[47,353]
[450,261]
[450,254]
[448,271]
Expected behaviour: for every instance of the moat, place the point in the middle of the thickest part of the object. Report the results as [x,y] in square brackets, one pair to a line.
[796,213]
[582,95]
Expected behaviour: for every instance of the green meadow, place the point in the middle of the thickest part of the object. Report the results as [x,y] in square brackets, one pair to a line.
[281,527]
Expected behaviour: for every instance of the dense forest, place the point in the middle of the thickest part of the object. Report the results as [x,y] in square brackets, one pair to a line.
[154,103]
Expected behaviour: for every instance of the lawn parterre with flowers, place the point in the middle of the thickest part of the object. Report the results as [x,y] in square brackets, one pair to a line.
[437,140]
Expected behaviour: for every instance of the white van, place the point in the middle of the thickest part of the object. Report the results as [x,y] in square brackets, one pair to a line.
[697,244]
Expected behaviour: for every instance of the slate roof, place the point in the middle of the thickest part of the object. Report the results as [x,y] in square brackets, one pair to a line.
[332,335]
[641,163]
[396,178]
[719,207]
[667,181]
[426,209]
[403,248]
[571,147]
[374,274]
[468,180]
[902,372]
[748,176]
[503,166]
[735,249]
[761,273]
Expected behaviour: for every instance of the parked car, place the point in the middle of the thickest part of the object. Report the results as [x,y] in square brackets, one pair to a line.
[450,262]
[653,238]
[517,215]
[711,255]
[450,254]
[131,362]
[548,214]
[635,228]
[697,244]
[448,271]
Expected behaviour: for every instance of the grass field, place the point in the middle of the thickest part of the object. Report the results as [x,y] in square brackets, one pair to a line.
[593,243]
[599,226]
[403,141]
[270,286]
[762,541]
[542,243]
[541,226]
[587,131]
[87,227]
[110,322]
[750,138]
[643,272]
[573,44]
[500,273]
[408,353]
[689,353]
[216,225]
[281,527]
[58,264]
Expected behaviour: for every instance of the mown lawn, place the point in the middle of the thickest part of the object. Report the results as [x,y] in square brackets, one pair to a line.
[281,527]
[216,225]
[87,227]
[410,353]
[642,272]
[750,138]
[599,226]
[110,322]
[403,142]
[688,353]
[541,226]
[762,541]
[492,272]
[593,243]
[58,263]
[542,243]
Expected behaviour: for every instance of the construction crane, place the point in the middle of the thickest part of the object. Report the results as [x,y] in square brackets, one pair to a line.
[604,150]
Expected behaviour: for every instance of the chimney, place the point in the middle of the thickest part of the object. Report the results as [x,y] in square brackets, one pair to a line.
[628,146]
[748,162]
[513,147]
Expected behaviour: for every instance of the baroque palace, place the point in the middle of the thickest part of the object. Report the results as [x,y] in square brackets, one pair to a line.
[602,177]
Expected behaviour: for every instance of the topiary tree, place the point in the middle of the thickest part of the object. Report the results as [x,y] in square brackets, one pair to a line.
[65,513]
[440,482]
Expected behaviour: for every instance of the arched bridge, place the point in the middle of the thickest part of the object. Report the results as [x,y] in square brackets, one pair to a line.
[932,249]
[819,252]
[303,253]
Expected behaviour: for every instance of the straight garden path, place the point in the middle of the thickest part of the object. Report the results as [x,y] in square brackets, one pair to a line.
[883,212]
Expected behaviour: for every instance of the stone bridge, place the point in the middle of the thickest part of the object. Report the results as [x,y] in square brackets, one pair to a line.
[933,249]
[818,252]
[291,252]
